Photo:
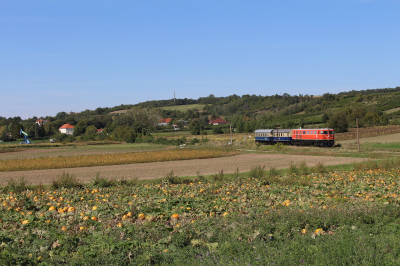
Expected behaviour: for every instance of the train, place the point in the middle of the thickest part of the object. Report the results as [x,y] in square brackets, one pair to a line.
[319,137]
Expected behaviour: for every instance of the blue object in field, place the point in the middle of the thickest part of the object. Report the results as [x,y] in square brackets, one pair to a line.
[26,140]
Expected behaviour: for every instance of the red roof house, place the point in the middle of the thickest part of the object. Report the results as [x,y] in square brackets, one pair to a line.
[67,129]
[218,121]
[164,121]
[41,122]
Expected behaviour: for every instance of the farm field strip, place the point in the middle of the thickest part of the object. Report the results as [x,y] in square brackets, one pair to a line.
[33,153]
[39,224]
[153,170]
[111,159]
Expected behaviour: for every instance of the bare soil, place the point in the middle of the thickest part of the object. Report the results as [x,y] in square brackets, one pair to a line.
[242,162]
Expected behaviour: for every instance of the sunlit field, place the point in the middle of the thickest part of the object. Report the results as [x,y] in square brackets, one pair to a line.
[309,217]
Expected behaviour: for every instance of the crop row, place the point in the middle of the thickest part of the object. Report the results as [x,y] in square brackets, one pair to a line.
[111,159]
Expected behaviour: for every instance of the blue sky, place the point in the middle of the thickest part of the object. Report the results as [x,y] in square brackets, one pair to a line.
[75,55]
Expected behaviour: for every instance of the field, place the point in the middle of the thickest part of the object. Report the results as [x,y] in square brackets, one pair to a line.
[154,170]
[184,108]
[235,210]
[341,218]
[112,159]
[24,152]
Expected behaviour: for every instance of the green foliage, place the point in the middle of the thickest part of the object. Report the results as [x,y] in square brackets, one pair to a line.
[257,171]
[219,176]
[196,127]
[339,122]
[319,168]
[16,186]
[66,181]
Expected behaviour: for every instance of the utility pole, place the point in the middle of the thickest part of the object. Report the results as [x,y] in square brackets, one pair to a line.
[230,129]
[358,140]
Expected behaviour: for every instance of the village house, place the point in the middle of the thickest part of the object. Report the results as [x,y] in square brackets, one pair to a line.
[164,121]
[67,129]
[218,121]
[41,122]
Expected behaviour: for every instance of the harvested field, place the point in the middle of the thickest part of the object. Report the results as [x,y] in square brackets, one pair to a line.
[81,151]
[242,162]
[379,139]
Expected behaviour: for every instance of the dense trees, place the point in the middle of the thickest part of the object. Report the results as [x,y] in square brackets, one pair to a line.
[245,113]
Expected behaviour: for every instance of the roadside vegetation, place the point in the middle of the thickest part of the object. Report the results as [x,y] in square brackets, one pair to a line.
[308,216]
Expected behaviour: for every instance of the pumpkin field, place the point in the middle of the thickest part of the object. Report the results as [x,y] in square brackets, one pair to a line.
[308,217]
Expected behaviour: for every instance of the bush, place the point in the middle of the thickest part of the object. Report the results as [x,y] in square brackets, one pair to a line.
[303,168]
[16,186]
[257,171]
[219,176]
[319,168]
[102,182]
[293,170]
[66,181]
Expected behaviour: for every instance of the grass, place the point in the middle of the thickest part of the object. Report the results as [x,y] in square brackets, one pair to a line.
[184,108]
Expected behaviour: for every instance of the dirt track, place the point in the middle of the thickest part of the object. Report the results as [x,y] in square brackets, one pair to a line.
[243,162]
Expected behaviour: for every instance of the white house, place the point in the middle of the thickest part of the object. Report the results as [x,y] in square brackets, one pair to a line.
[67,129]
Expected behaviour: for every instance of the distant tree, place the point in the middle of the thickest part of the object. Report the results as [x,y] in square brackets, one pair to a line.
[325,118]
[339,122]
[196,126]
[147,117]
[80,128]
[217,130]
[15,128]
[91,130]
[100,111]
[60,115]
[3,135]
[90,133]
[205,120]
[130,136]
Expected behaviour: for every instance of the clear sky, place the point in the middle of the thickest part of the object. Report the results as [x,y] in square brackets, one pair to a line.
[66,55]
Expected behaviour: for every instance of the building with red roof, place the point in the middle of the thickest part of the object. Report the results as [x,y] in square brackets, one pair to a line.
[164,121]
[218,121]
[67,129]
[41,122]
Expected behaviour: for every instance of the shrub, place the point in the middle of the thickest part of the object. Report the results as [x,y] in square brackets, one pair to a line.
[303,168]
[16,186]
[257,171]
[319,168]
[273,172]
[66,181]
[219,176]
[293,170]
[170,178]
[102,182]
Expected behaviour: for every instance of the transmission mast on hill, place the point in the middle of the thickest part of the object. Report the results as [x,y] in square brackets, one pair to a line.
[174,97]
